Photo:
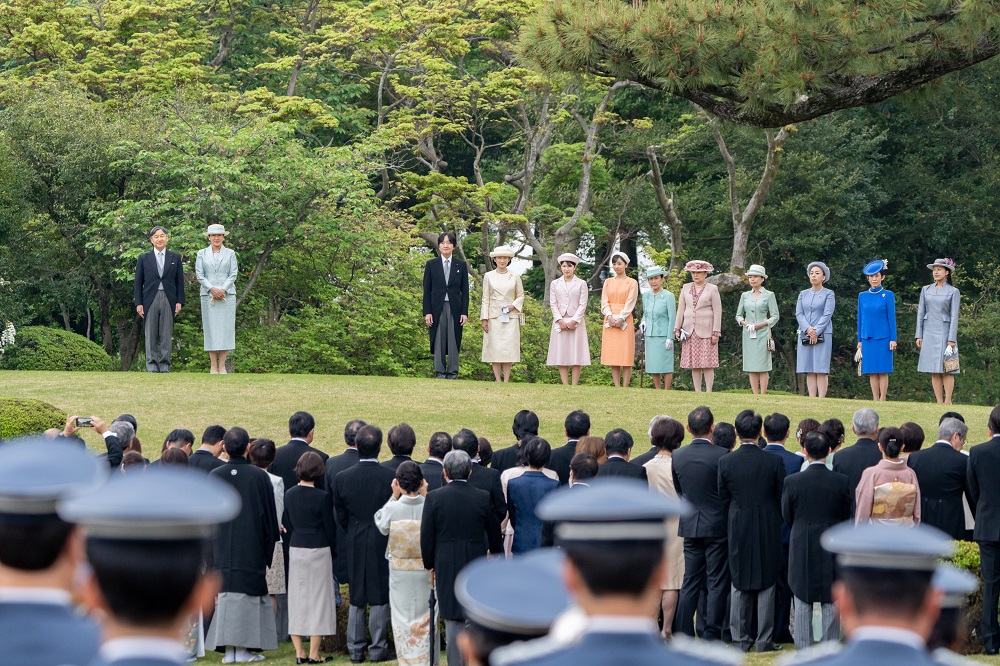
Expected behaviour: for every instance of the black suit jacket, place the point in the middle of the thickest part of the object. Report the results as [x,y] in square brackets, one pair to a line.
[308,518]
[433,472]
[695,470]
[984,489]
[394,462]
[621,467]
[147,279]
[643,458]
[360,492]
[457,526]
[204,460]
[560,459]
[334,466]
[506,458]
[813,501]
[435,289]
[287,456]
[852,463]
[489,480]
[750,484]
[942,475]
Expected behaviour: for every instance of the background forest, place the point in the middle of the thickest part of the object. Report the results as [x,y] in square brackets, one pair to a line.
[334,139]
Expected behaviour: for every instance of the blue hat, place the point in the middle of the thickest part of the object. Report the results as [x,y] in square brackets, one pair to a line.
[36,473]
[823,267]
[163,504]
[955,583]
[875,266]
[880,546]
[615,509]
[520,596]
[654,271]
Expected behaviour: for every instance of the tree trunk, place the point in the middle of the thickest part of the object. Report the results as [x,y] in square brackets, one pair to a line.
[674,224]
[128,342]
[104,306]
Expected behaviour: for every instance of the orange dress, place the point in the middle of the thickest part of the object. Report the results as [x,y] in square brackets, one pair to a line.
[618,298]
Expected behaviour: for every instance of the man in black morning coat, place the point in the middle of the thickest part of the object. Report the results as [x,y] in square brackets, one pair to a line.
[244,547]
[813,501]
[852,461]
[301,427]
[984,491]
[455,520]
[158,297]
[446,305]
[706,566]
[433,468]
[618,444]
[360,492]
[941,471]
[334,466]
[577,425]
[402,440]
[483,478]
[750,483]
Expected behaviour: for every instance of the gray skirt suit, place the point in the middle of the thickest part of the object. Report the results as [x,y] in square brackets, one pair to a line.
[218,317]
[937,323]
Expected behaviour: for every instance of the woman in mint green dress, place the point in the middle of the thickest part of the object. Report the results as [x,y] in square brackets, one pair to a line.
[659,312]
[757,314]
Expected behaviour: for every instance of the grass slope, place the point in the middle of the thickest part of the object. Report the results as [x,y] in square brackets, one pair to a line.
[262,404]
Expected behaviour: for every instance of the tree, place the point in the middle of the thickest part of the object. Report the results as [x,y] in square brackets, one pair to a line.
[765,64]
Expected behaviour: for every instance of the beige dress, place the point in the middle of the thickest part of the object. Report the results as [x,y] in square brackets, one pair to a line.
[618,298]
[659,471]
[502,344]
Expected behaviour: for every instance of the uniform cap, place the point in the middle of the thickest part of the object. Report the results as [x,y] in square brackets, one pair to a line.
[521,596]
[165,503]
[36,473]
[955,583]
[879,546]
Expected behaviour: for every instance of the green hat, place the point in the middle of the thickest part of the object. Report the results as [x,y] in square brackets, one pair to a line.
[654,271]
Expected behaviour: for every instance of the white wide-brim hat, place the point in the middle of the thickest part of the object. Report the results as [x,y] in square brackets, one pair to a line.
[758,270]
[568,256]
[502,251]
[216,229]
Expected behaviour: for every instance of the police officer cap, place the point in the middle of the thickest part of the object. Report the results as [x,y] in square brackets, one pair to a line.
[164,503]
[893,547]
[615,509]
[521,596]
[955,584]
[36,473]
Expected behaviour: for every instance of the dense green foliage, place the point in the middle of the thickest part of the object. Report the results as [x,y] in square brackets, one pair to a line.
[40,348]
[28,417]
[336,139]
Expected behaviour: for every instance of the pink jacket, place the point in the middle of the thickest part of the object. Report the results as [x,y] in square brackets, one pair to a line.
[704,320]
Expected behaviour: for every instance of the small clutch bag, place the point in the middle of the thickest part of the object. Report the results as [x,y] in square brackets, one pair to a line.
[951,363]
[806,341]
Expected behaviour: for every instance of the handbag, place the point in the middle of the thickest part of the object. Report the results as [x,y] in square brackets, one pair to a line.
[805,339]
[951,363]
[770,341]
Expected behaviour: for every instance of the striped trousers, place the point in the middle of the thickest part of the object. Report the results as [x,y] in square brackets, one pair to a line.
[802,624]
[357,635]
[741,618]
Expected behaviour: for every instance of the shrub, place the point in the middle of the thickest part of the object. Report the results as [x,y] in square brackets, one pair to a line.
[967,557]
[40,348]
[27,417]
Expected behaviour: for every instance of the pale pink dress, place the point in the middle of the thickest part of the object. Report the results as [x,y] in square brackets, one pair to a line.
[568,300]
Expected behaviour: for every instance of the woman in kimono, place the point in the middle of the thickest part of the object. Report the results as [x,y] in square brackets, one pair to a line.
[501,314]
[659,311]
[618,299]
[937,328]
[814,314]
[877,329]
[216,270]
[888,493]
[569,348]
[409,582]
[757,314]
[699,325]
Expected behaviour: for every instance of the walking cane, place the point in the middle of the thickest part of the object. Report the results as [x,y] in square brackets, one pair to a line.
[432,626]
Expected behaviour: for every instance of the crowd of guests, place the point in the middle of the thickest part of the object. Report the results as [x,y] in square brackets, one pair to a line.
[694,319]
[746,564]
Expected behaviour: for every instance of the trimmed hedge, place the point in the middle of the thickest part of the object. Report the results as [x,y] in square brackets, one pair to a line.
[27,417]
[967,557]
[41,348]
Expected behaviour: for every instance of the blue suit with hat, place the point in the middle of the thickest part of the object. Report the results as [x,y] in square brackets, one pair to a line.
[876,329]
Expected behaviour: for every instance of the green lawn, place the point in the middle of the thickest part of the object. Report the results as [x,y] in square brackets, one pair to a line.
[262,404]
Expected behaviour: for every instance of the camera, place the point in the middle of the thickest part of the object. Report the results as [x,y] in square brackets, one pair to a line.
[83,421]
